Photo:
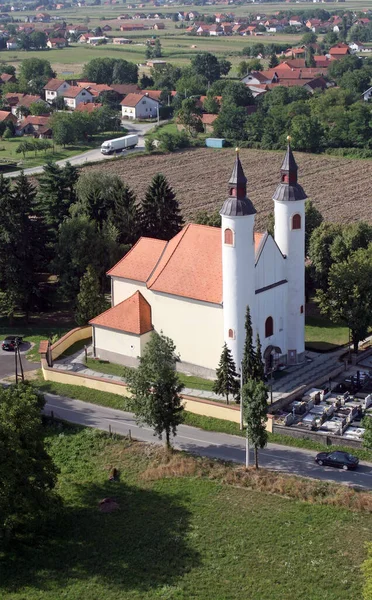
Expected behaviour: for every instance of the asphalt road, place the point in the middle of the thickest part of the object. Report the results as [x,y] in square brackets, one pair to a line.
[7,363]
[213,445]
[95,155]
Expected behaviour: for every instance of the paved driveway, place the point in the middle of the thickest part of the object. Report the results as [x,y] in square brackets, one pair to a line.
[7,363]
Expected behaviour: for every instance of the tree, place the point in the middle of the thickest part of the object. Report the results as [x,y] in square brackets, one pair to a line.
[309,58]
[156,388]
[110,70]
[39,108]
[27,473]
[255,65]
[156,52]
[308,38]
[207,65]
[189,116]
[367,436]
[249,361]
[160,215]
[254,398]
[259,369]
[203,217]
[63,129]
[320,245]
[211,105]
[124,213]
[225,66]
[313,218]
[227,381]
[90,300]
[36,70]
[348,297]
[38,40]
[274,61]
[306,133]
[231,122]
[56,193]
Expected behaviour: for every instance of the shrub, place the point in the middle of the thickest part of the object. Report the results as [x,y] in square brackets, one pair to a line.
[173,141]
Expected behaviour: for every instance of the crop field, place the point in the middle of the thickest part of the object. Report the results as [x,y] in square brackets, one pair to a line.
[178,534]
[339,187]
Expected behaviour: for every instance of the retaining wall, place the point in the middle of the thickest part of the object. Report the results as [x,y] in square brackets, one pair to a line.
[70,338]
[315,436]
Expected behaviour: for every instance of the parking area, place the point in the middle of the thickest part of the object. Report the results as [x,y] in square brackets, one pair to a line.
[7,361]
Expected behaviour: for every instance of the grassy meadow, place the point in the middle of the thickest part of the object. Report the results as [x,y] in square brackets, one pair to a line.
[179,533]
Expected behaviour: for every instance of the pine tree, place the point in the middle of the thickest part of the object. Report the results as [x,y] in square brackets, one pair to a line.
[125,214]
[273,61]
[90,301]
[227,381]
[56,194]
[259,369]
[160,214]
[255,411]
[156,387]
[249,356]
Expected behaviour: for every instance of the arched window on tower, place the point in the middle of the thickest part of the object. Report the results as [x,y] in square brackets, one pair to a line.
[269,327]
[296,221]
[228,236]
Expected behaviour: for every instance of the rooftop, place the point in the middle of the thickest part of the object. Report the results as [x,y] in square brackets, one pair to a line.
[133,315]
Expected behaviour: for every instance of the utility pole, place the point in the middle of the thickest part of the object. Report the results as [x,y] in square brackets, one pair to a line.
[241,396]
[16,364]
[158,113]
[20,362]
[247,450]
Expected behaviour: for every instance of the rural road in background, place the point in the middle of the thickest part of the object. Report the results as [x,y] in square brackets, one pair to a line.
[139,129]
[295,461]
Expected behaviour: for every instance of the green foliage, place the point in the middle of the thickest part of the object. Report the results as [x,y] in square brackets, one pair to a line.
[259,369]
[34,73]
[367,572]
[313,219]
[189,116]
[160,214]
[170,142]
[274,61]
[27,473]
[211,105]
[249,355]
[254,398]
[367,437]
[56,193]
[156,388]
[206,65]
[39,108]
[203,217]
[110,70]
[348,296]
[90,301]
[227,382]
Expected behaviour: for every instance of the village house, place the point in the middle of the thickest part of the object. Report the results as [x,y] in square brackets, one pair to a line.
[12,44]
[16,101]
[55,88]
[7,78]
[339,51]
[88,107]
[121,41]
[6,116]
[75,95]
[139,106]
[57,43]
[34,125]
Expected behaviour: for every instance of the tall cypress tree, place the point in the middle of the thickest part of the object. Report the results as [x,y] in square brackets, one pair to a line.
[160,213]
[227,381]
[56,193]
[249,356]
[259,369]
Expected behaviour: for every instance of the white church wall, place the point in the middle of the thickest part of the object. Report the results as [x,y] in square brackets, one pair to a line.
[270,267]
[112,345]
[195,327]
[272,303]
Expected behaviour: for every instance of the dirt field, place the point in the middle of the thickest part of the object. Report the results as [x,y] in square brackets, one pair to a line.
[339,187]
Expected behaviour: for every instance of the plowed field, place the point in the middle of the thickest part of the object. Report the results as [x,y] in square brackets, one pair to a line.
[340,188]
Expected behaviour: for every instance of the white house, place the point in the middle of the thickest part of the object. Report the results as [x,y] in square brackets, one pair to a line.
[12,44]
[367,94]
[196,287]
[75,95]
[139,106]
[55,88]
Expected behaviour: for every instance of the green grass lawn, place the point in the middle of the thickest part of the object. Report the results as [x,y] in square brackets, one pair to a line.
[323,335]
[189,381]
[179,538]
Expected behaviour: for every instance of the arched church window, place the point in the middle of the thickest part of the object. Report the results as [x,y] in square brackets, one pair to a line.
[231,334]
[229,237]
[269,327]
[296,222]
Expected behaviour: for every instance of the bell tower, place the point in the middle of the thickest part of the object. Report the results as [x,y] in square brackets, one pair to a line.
[289,202]
[238,260]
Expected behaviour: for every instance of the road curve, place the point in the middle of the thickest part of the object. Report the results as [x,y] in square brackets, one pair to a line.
[295,461]
[95,155]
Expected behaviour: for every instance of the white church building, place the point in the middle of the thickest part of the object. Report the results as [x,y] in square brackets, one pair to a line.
[196,287]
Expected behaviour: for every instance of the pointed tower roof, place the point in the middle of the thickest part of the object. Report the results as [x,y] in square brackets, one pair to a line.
[288,189]
[237,204]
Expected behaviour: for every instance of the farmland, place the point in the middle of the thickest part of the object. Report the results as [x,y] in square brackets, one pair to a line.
[200,179]
[179,534]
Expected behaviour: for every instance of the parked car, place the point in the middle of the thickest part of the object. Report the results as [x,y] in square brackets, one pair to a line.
[341,460]
[11,342]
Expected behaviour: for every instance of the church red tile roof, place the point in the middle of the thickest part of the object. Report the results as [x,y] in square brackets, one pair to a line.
[189,265]
[140,261]
[133,315]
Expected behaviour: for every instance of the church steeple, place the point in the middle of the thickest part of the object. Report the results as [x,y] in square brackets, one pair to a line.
[288,188]
[237,204]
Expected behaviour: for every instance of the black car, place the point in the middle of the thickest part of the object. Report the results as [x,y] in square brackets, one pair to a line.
[341,460]
[11,342]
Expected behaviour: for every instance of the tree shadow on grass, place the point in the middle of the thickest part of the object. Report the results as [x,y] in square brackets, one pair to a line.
[140,546]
